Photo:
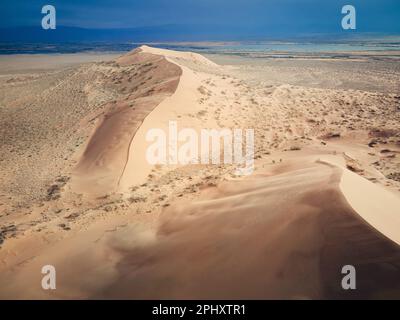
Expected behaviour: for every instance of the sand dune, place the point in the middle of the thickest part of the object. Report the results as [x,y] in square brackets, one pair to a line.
[282,236]
[102,165]
[279,234]
[78,193]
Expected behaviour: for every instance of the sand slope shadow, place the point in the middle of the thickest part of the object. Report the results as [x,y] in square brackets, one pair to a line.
[280,236]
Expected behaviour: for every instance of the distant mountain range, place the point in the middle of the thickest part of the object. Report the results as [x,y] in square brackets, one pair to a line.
[35,34]
[73,34]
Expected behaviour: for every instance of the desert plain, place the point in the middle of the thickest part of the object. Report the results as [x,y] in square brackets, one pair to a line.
[77,193]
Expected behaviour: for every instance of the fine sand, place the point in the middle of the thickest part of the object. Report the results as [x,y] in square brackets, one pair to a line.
[76,191]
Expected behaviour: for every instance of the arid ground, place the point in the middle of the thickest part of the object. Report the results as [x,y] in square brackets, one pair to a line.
[76,191]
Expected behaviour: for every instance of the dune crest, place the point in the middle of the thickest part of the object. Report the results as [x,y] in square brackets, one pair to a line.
[379,207]
[178,56]
[160,80]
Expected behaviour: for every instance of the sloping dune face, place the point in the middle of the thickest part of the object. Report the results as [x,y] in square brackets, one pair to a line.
[151,79]
[285,235]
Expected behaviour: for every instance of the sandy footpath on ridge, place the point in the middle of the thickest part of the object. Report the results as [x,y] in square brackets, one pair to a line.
[180,107]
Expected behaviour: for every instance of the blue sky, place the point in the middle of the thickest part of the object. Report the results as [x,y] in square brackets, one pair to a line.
[313,16]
